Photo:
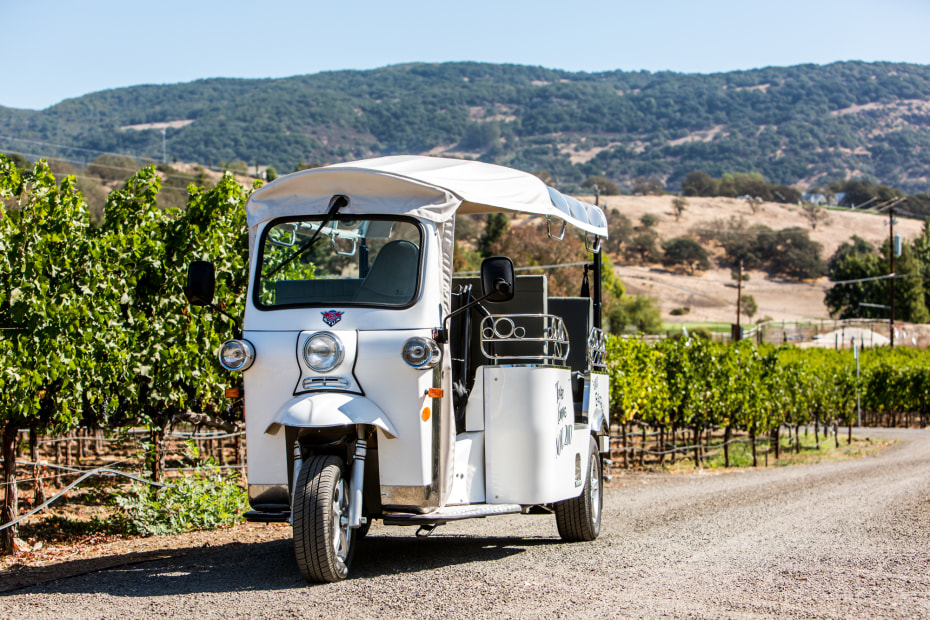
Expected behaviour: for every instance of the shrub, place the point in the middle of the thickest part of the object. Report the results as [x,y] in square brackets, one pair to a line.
[204,499]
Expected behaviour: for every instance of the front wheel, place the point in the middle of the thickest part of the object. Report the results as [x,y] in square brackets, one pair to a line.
[579,518]
[323,542]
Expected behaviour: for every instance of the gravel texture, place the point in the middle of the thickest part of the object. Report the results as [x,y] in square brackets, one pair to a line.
[834,540]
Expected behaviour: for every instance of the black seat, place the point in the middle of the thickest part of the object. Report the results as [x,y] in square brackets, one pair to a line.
[393,276]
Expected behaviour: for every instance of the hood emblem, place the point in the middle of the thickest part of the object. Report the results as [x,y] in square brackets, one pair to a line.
[331,317]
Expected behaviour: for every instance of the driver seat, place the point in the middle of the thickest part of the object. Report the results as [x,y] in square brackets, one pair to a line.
[392,278]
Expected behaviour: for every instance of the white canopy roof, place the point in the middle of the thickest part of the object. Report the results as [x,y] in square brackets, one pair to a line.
[432,188]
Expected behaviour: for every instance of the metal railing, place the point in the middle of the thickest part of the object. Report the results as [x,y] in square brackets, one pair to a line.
[509,330]
[597,349]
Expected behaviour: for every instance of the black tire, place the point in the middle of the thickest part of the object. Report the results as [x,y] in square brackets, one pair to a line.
[323,542]
[579,518]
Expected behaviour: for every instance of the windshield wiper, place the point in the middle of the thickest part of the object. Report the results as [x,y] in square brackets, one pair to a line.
[337,203]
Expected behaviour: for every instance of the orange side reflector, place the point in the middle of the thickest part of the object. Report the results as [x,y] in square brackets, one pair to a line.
[434,393]
[232,392]
[425,414]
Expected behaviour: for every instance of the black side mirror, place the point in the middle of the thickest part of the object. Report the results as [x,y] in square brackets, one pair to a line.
[201,282]
[497,278]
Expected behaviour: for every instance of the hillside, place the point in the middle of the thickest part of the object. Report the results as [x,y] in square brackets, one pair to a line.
[797,125]
[711,295]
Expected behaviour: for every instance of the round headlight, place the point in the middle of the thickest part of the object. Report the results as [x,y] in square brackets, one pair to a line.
[323,351]
[236,354]
[421,352]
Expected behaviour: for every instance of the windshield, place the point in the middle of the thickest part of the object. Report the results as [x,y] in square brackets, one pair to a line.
[368,261]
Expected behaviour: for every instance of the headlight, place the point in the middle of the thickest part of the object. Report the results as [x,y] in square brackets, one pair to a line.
[323,351]
[421,352]
[236,354]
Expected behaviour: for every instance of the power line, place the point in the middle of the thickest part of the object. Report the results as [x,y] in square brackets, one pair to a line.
[872,279]
[74,148]
[474,273]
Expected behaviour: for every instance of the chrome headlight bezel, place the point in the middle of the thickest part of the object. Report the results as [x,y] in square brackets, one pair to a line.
[236,355]
[328,357]
[421,352]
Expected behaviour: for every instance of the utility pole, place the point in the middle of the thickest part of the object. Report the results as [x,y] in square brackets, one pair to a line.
[737,334]
[891,271]
[164,144]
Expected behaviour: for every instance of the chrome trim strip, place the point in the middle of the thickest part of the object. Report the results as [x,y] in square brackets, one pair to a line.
[269,494]
[408,497]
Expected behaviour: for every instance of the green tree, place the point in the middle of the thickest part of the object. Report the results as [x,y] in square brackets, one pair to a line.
[699,183]
[495,228]
[19,161]
[795,255]
[602,186]
[909,294]
[481,136]
[844,301]
[640,312]
[815,215]
[748,306]
[679,204]
[685,252]
[644,247]
[648,187]
[858,260]
[619,230]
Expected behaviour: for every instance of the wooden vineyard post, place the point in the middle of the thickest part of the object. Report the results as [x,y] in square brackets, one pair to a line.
[626,461]
[11,495]
[39,493]
[697,445]
[726,445]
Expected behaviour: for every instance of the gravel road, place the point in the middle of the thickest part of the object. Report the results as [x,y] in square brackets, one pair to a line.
[836,540]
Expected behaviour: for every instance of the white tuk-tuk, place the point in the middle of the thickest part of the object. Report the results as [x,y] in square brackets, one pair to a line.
[379,386]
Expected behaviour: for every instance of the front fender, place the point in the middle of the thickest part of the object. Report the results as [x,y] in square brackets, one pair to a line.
[330,409]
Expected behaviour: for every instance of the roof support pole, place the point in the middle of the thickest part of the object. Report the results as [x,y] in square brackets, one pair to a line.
[596,291]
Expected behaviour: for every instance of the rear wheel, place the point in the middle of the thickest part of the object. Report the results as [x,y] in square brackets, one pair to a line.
[323,542]
[579,518]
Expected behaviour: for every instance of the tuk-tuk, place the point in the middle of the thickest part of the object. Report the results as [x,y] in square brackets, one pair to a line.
[379,385]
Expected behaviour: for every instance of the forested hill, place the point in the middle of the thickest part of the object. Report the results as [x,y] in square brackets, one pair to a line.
[796,125]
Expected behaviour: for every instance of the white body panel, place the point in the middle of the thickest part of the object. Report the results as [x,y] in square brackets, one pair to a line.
[406,459]
[596,401]
[534,452]
[330,409]
[468,481]
[394,399]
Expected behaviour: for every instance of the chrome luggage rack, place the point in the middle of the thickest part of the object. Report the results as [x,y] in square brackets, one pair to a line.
[546,329]
[597,349]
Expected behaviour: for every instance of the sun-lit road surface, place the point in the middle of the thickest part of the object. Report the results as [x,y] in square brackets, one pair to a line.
[836,540]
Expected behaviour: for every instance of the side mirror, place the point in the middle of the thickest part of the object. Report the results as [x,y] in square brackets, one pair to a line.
[497,278]
[201,282]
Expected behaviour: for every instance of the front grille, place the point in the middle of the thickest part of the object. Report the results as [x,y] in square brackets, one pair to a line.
[316,383]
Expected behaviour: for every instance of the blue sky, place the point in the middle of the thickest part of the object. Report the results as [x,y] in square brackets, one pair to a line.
[59,49]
